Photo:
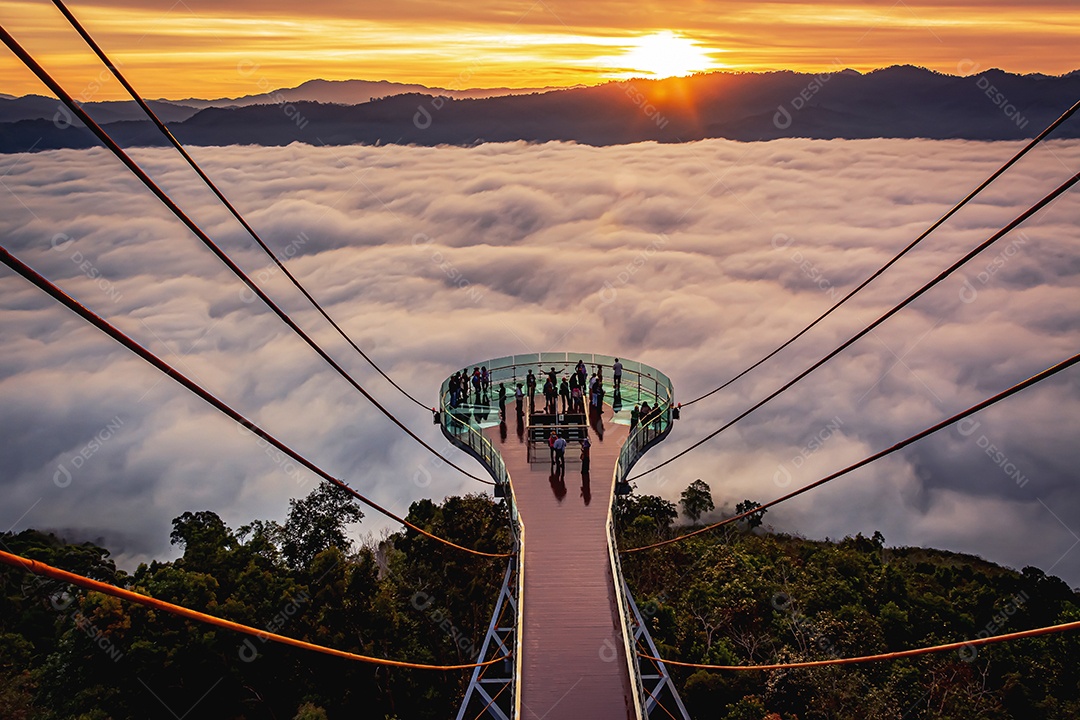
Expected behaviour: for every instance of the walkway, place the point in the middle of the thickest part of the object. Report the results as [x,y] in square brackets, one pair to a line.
[573,663]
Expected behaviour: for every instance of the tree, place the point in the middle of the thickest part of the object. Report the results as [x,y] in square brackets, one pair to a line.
[204,537]
[317,523]
[696,500]
[752,520]
[652,510]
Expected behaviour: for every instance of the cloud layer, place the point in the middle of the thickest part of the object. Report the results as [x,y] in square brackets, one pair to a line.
[696,258]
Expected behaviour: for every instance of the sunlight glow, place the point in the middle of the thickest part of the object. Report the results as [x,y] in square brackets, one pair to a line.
[665,54]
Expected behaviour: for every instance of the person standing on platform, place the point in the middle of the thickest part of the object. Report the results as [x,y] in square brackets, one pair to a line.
[616,369]
[634,415]
[476,381]
[560,456]
[586,444]
[564,394]
[485,381]
[530,389]
[502,400]
[577,403]
[519,395]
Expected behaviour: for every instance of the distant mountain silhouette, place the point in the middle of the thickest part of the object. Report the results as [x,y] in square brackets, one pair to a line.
[900,101]
[39,107]
[350,92]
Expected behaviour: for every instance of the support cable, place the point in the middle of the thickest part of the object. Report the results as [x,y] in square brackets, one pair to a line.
[220,195]
[39,568]
[1034,379]
[998,173]
[116,334]
[105,138]
[851,341]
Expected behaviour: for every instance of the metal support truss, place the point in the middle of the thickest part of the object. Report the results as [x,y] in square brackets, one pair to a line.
[661,697]
[491,689]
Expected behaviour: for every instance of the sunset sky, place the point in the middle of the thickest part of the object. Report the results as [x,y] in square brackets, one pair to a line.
[207,48]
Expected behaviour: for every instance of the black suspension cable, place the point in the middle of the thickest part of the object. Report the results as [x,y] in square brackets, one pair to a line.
[116,334]
[105,138]
[220,195]
[1000,171]
[910,299]
[1033,380]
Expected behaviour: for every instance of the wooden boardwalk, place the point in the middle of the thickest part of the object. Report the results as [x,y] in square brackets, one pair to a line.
[573,663]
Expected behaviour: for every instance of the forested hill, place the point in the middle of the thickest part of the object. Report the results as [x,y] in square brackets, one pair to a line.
[740,596]
[745,596]
[896,102]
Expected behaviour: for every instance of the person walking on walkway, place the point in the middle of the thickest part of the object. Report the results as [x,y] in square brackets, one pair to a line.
[519,395]
[560,456]
[635,414]
[551,447]
[616,369]
[585,446]
[502,400]
[564,395]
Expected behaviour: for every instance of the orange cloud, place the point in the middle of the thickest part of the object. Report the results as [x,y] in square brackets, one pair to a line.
[208,49]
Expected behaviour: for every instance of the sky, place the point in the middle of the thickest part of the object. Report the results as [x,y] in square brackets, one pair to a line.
[695,258]
[208,48]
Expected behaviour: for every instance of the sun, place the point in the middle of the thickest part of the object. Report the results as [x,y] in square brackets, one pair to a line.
[666,54]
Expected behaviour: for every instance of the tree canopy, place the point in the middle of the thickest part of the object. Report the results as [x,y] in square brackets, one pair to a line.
[68,653]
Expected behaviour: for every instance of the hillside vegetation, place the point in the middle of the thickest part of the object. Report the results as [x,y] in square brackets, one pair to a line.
[741,596]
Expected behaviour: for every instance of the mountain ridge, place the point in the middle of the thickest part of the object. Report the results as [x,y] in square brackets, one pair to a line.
[900,101]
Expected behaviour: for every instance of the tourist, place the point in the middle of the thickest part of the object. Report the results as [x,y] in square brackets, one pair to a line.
[530,389]
[560,455]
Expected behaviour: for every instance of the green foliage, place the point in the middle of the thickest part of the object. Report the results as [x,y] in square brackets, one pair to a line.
[645,517]
[308,711]
[696,500]
[730,597]
[66,653]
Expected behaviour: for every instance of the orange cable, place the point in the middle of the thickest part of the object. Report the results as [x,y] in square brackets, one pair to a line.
[883,656]
[40,568]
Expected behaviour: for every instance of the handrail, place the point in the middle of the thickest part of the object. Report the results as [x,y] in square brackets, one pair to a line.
[474,441]
[648,432]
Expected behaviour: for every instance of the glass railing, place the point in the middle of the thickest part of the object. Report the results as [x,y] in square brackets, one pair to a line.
[649,430]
